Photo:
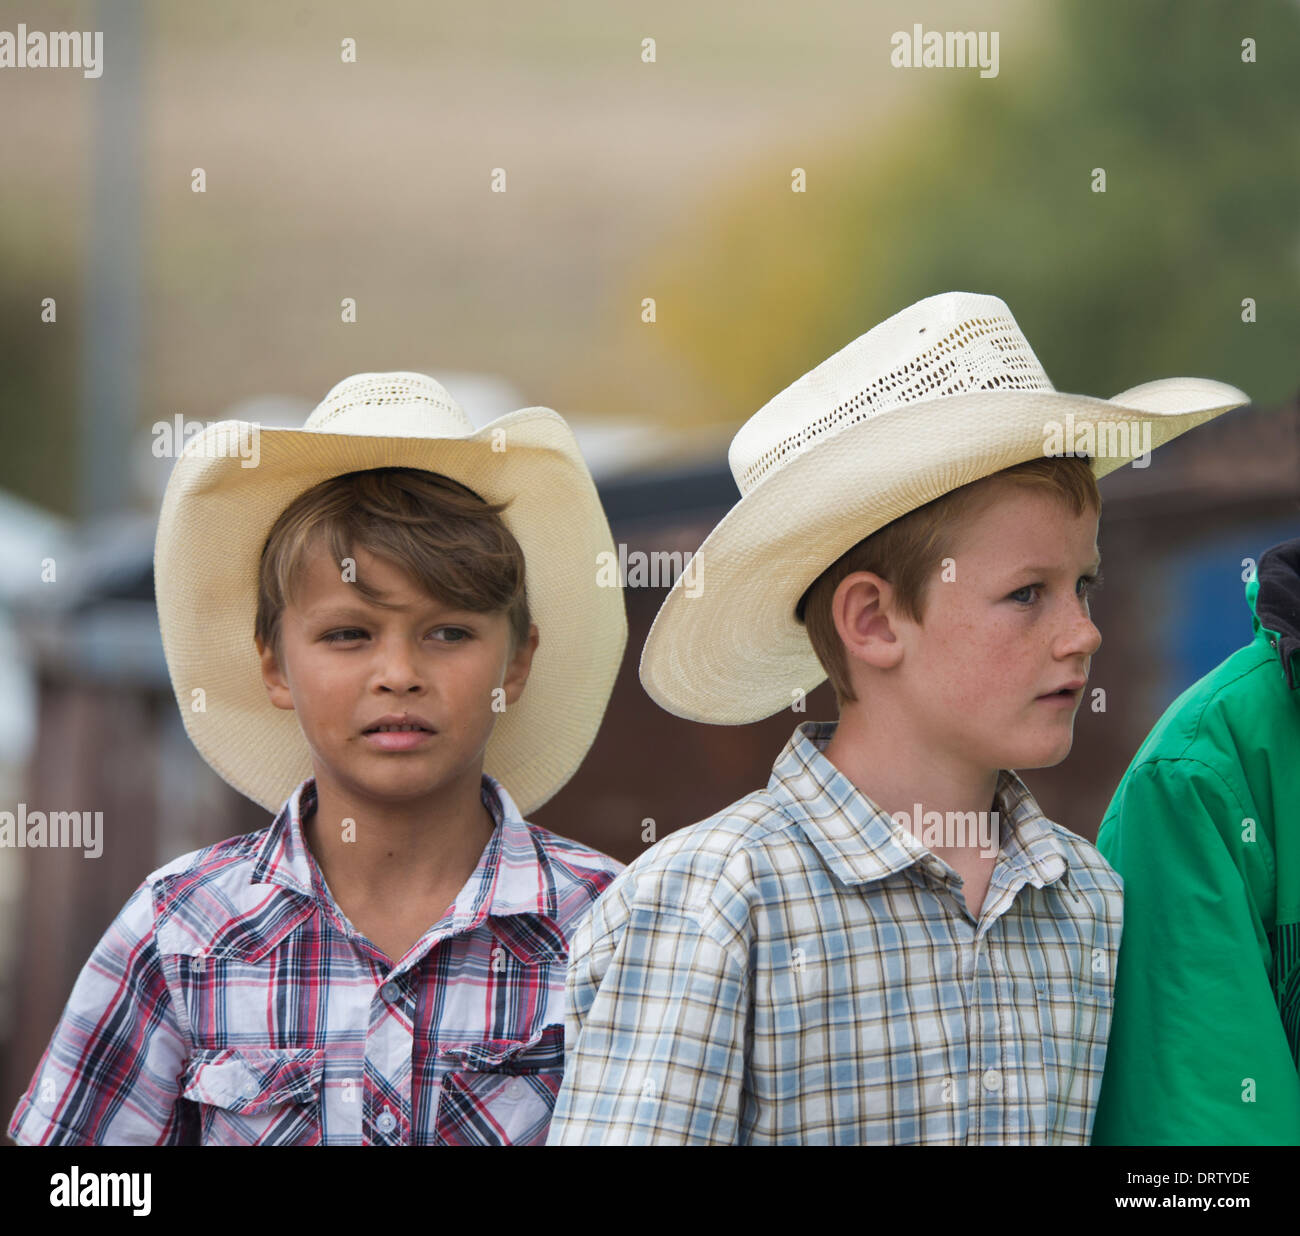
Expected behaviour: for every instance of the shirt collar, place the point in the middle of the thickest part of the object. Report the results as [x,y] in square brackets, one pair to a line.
[511,877]
[861,843]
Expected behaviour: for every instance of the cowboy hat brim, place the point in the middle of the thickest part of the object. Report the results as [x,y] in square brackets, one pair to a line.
[726,647]
[215,518]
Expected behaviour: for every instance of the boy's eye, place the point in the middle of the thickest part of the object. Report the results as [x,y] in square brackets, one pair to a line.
[450,635]
[1090,583]
[344,635]
[1087,585]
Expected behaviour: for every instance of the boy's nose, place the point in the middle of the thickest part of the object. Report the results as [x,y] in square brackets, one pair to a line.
[1084,637]
[399,671]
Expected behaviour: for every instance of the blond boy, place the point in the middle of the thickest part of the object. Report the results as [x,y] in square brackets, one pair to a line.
[889,943]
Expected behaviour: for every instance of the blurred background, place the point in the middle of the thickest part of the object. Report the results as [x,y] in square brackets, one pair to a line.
[127,300]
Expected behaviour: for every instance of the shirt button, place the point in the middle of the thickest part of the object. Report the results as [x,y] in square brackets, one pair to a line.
[391,992]
[515,1090]
[992,1080]
[387,1122]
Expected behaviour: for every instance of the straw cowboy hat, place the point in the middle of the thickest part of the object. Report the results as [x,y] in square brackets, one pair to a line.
[222,500]
[942,394]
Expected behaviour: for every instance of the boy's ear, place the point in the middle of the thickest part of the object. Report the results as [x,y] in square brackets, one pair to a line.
[865,618]
[518,666]
[277,686]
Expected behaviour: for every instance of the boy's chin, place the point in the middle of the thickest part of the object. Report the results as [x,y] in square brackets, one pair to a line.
[1046,754]
[395,783]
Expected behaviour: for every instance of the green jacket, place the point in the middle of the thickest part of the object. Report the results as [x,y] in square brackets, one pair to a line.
[1205,831]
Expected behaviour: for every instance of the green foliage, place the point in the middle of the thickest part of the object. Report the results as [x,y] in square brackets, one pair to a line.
[38,395]
[990,190]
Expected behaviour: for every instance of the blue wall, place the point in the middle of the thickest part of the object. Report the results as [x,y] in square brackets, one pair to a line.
[1208,611]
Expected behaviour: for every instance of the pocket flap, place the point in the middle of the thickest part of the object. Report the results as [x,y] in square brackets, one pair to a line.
[251,1080]
[531,938]
[545,1050]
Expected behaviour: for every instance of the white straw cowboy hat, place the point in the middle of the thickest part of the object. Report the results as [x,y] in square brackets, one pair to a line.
[217,513]
[942,394]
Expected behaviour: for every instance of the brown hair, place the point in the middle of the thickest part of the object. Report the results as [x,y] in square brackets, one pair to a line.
[450,541]
[907,550]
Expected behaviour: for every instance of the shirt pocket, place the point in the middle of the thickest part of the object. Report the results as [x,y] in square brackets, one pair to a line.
[500,1092]
[256,1096]
[1068,1056]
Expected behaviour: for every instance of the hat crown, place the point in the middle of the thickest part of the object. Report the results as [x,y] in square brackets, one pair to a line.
[945,345]
[399,405]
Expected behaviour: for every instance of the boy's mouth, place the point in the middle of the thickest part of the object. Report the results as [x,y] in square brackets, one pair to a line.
[398,733]
[1070,691]
[396,724]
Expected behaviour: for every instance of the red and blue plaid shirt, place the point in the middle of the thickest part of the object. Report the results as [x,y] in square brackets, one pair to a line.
[231,1002]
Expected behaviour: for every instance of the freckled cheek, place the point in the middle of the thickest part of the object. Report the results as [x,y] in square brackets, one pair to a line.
[981,676]
[970,691]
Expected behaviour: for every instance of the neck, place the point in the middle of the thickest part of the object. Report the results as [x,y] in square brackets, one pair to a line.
[381,850]
[898,769]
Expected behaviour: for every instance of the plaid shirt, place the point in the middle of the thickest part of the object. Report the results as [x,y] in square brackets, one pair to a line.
[799,969]
[231,1002]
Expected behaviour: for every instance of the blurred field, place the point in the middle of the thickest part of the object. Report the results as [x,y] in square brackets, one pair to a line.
[371,180]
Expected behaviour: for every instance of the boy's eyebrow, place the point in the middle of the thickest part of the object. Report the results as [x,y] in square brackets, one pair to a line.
[337,613]
[359,610]
[1094,567]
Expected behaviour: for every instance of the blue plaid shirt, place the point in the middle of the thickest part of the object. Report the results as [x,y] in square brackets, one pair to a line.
[800,969]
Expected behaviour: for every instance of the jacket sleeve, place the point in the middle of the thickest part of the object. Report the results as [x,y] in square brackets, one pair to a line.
[655,1033]
[110,1075]
[1197,1053]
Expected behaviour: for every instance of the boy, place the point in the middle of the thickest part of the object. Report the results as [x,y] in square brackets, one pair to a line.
[890,943]
[349,633]
[1205,830]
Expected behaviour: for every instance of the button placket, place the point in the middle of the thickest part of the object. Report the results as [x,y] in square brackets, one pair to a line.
[986,1085]
[388,1052]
